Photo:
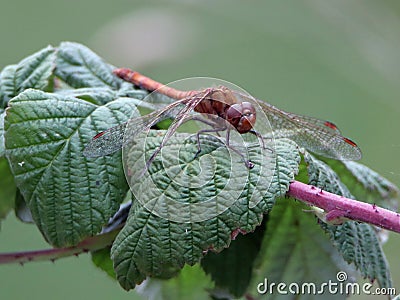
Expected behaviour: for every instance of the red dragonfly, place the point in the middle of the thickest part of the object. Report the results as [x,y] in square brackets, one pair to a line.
[318,136]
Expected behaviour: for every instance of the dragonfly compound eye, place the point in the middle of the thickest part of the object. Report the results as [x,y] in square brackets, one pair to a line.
[242,116]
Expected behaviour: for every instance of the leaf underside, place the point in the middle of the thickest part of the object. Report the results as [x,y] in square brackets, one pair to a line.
[358,243]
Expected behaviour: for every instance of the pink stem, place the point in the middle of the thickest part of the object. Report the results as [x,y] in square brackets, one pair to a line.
[335,206]
[339,207]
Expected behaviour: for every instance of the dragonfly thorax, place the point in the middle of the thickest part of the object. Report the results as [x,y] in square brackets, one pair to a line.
[223,103]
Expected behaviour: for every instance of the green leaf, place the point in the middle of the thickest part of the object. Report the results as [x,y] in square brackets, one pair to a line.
[7,85]
[98,96]
[150,245]
[70,196]
[101,258]
[295,250]
[322,176]
[232,268]
[2,147]
[7,189]
[80,67]
[366,185]
[358,243]
[191,283]
[103,95]
[35,71]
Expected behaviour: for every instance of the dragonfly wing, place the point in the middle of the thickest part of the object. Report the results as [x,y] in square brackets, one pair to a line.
[181,116]
[113,139]
[318,136]
[106,142]
[318,123]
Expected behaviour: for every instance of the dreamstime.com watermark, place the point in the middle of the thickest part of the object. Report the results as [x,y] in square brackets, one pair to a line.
[339,287]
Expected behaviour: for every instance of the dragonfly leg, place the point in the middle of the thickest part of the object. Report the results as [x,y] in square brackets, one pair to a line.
[248,163]
[209,123]
[260,137]
[188,118]
[148,163]
[152,157]
[205,131]
[202,120]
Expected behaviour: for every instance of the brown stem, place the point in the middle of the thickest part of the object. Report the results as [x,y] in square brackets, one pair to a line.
[89,244]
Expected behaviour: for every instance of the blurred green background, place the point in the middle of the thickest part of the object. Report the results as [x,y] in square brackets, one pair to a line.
[337,60]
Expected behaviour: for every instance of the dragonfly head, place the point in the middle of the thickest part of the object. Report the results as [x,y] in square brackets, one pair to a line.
[242,116]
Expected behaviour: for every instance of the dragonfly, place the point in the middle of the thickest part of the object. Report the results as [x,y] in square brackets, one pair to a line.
[222,106]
